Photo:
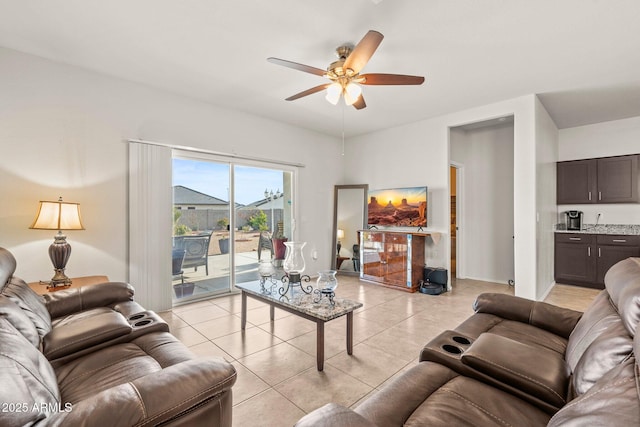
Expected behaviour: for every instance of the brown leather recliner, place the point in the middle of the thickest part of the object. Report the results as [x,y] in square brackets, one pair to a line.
[519,362]
[78,357]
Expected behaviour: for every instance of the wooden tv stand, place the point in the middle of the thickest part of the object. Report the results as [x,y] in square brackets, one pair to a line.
[392,258]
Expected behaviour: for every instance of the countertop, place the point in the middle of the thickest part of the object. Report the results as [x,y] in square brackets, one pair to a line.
[626,229]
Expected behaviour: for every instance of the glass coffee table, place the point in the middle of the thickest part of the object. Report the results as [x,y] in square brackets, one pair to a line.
[297,302]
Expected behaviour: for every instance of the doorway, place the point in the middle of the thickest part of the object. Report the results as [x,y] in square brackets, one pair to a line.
[484,201]
[453,228]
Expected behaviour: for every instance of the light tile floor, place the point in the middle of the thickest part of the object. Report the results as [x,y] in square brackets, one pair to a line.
[277,378]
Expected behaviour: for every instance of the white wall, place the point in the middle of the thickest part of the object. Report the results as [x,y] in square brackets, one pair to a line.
[418,154]
[62,130]
[546,158]
[613,138]
[486,199]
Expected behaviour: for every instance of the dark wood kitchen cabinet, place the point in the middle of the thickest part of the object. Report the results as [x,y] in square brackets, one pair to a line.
[584,259]
[602,180]
[576,181]
[618,179]
[612,249]
[575,260]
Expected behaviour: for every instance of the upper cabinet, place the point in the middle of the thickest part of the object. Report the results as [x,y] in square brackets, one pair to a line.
[603,180]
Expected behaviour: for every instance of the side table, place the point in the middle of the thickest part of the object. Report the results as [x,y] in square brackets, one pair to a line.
[340,260]
[76,282]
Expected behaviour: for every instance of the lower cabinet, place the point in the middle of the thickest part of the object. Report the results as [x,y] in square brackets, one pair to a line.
[584,259]
[575,260]
[394,259]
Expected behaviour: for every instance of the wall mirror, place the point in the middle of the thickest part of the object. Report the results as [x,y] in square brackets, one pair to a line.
[349,216]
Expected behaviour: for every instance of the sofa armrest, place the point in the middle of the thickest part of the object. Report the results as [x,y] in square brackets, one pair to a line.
[180,390]
[62,303]
[538,372]
[85,333]
[333,415]
[558,320]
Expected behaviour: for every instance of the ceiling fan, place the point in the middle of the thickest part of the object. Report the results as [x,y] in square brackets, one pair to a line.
[344,74]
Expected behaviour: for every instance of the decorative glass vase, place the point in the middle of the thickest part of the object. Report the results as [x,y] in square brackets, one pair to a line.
[294,258]
[266,269]
[327,281]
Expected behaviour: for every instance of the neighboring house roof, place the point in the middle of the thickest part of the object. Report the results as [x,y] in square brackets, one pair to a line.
[265,204]
[186,196]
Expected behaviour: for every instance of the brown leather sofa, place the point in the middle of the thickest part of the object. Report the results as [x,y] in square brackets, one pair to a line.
[93,356]
[519,362]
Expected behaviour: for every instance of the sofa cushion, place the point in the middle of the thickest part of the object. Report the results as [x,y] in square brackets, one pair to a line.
[28,384]
[480,323]
[19,320]
[119,364]
[7,266]
[333,414]
[606,352]
[430,394]
[613,400]
[622,282]
[598,317]
[30,302]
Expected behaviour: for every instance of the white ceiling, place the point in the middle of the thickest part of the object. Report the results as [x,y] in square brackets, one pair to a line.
[581,56]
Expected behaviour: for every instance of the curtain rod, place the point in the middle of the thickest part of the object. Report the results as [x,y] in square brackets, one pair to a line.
[216,153]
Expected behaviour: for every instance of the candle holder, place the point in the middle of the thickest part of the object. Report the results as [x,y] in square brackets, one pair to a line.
[267,272]
[294,266]
[293,280]
[325,286]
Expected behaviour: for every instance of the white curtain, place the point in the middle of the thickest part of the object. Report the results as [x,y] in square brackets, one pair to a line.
[150,224]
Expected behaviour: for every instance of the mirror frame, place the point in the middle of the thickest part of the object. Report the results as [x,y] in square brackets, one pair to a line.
[334,240]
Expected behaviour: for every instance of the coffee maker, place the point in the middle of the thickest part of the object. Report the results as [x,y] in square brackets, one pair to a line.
[574,220]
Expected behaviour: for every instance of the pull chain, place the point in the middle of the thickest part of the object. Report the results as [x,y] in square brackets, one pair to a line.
[343,129]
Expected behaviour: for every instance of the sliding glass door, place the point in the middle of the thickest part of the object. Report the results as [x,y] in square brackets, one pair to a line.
[263,213]
[226,215]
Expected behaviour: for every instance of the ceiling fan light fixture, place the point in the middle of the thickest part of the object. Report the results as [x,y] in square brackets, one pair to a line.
[334,90]
[352,92]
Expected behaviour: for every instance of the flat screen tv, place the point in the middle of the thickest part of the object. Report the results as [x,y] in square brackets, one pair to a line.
[398,207]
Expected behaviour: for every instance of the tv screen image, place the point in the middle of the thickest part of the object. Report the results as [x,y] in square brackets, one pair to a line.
[398,207]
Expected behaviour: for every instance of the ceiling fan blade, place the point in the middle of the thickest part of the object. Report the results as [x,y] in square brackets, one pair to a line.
[359,104]
[307,92]
[391,79]
[296,66]
[363,51]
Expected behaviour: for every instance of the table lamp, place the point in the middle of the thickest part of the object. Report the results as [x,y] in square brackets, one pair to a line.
[59,216]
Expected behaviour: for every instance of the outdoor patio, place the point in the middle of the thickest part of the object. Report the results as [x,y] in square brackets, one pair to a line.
[246,265]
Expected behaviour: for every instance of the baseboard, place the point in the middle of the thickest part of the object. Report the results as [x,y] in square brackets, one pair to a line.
[547,291]
[482,279]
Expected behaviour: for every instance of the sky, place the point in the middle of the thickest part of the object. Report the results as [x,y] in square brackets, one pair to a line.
[213,179]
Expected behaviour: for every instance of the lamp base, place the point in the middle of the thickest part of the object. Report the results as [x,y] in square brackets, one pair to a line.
[60,279]
[59,253]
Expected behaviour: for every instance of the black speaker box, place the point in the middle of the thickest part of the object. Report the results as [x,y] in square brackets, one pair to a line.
[435,275]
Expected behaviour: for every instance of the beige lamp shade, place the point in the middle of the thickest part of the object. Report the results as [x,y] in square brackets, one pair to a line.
[340,234]
[58,216]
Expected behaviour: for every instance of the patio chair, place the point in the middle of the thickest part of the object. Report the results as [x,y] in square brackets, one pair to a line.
[183,288]
[177,258]
[264,242]
[196,251]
